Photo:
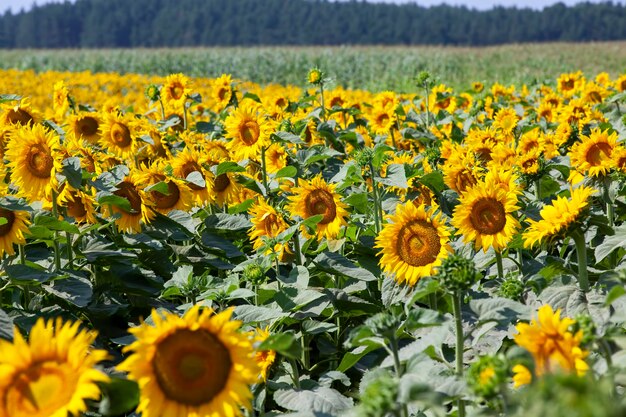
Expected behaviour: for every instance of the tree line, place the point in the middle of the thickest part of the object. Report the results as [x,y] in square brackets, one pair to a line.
[176,23]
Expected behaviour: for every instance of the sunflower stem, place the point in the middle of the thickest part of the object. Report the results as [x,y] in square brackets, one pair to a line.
[456,306]
[393,138]
[264,170]
[305,352]
[162,109]
[185,116]
[427,107]
[57,249]
[499,263]
[295,375]
[322,102]
[404,411]
[376,203]
[538,190]
[70,254]
[20,250]
[581,255]
[298,250]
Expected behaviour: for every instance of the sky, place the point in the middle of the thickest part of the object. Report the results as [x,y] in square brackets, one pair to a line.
[17,5]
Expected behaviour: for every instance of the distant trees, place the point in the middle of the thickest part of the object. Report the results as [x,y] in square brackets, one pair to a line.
[152,23]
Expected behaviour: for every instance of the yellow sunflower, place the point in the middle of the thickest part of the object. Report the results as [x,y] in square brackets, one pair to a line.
[118,135]
[85,126]
[275,158]
[558,216]
[34,160]
[188,161]
[315,197]
[381,119]
[484,216]
[60,100]
[130,220]
[413,243]
[21,113]
[266,221]
[175,91]
[78,204]
[594,154]
[248,132]
[553,346]
[195,365]
[178,195]
[226,190]
[221,92]
[264,358]
[12,232]
[53,375]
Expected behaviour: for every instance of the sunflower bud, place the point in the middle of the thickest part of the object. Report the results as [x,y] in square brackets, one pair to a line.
[433,155]
[422,78]
[487,375]
[315,76]
[511,288]
[383,324]
[363,157]
[584,323]
[379,397]
[254,273]
[153,93]
[458,273]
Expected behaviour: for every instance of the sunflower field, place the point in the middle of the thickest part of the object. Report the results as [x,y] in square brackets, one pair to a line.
[178,247]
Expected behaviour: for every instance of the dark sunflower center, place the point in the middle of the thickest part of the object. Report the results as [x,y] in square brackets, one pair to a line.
[321,202]
[597,152]
[76,208]
[129,192]
[87,126]
[281,102]
[271,225]
[383,119]
[249,132]
[567,85]
[223,92]
[20,116]
[336,101]
[192,367]
[163,201]
[120,134]
[444,103]
[594,97]
[464,180]
[488,216]
[418,243]
[177,90]
[10,216]
[221,183]
[39,161]
[187,169]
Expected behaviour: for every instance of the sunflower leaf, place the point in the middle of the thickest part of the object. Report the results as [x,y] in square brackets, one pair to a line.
[196,179]
[4,98]
[3,220]
[284,343]
[73,172]
[6,326]
[323,399]
[611,243]
[159,187]
[228,166]
[336,263]
[287,172]
[288,137]
[115,200]
[119,396]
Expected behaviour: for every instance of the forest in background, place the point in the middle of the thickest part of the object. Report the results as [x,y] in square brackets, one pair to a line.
[177,23]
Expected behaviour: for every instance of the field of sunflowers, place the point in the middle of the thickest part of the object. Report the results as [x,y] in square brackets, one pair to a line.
[178,247]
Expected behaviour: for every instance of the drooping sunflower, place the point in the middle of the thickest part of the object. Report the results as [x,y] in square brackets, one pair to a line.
[558,216]
[316,197]
[267,222]
[248,132]
[78,204]
[53,375]
[413,243]
[226,190]
[221,92]
[21,113]
[187,162]
[264,358]
[12,232]
[60,100]
[175,91]
[485,216]
[594,154]
[118,135]
[85,126]
[178,195]
[34,159]
[275,158]
[553,346]
[130,220]
[195,365]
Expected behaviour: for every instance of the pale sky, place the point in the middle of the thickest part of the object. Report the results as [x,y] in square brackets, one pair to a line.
[17,5]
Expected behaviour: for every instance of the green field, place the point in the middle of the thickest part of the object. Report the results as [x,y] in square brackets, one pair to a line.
[372,68]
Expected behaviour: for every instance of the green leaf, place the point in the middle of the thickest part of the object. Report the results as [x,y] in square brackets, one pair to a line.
[337,264]
[254,314]
[75,290]
[228,222]
[228,166]
[73,172]
[321,399]
[420,317]
[615,293]
[251,96]
[396,177]
[6,326]
[55,224]
[117,201]
[502,310]
[289,137]
[119,396]
[611,243]
[159,187]
[284,343]
[351,358]
[180,278]
[4,98]
[23,274]
[434,181]
[287,172]
[3,220]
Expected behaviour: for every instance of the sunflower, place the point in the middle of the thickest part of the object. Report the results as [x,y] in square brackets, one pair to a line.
[53,374]
[594,154]
[316,197]
[226,190]
[175,91]
[267,222]
[78,204]
[484,216]
[20,114]
[553,346]
[130,220]
[85,126]
[569,83]
[178,195]
[505,121]
[461,169]
[264,358]
[60,100]
[381,119]
[118,135]
[222,92]
[557,216]
[248,131]
[12,232]
[34,159]
[414,243]
[187,162]
[195,365]
[521,376]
